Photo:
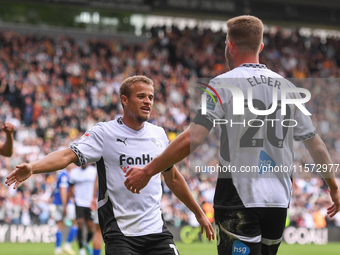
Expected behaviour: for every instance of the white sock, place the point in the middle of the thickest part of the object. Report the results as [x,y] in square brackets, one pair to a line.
[57,250]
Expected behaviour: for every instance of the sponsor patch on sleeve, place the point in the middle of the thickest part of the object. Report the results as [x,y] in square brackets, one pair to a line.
[211,103]
[83,137]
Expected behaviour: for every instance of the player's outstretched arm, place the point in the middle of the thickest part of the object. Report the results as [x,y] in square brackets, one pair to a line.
[6,149]
[176,183]
[180,148]
[320,155]
[52,162]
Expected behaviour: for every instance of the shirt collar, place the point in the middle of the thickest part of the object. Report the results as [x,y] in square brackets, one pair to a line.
[251,65]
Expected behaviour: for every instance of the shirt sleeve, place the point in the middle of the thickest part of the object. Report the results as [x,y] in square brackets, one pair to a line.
[89,147]
[304,129]
[214,109]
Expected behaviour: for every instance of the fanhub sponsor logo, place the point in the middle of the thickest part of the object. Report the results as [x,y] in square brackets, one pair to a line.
[143,160]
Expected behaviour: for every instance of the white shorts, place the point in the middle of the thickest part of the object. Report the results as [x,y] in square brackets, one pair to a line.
[70,212]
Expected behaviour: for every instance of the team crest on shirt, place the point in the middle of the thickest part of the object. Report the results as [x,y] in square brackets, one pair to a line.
[157,143]
[124,168]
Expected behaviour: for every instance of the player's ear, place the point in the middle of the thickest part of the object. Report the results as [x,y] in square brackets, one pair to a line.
[124,99]
[231,47]
[261,47]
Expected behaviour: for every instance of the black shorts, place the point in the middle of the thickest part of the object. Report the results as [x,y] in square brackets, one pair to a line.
[154,244]
[83,212]
[252,231]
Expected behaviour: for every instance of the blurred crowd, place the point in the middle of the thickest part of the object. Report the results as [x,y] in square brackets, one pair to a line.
[54,89]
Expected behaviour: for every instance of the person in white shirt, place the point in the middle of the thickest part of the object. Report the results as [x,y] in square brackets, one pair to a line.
[81,186]
[250,208]
[130,223]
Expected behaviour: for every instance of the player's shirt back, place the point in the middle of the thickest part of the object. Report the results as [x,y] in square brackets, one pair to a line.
[116,147]
[83,181]
[256,140]
[62,182]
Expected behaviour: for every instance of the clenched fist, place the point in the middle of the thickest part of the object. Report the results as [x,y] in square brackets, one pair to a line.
[8,128]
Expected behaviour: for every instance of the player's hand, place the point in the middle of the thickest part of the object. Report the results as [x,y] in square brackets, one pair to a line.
[64,211]
[8,128]
[20,174]
[206,225]
[93,205]
[335,208]
[136,179]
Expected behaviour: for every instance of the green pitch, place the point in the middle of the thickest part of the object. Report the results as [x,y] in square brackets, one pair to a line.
[184,249]
[285,249]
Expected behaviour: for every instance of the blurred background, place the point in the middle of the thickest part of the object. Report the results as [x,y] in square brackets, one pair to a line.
[62,62]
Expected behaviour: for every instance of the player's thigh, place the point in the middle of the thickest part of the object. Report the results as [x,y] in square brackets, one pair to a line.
[88,214]
[71,211]
[238,231]
[80,213]
[124,245]
[272,225]
[161,244]
[58,213]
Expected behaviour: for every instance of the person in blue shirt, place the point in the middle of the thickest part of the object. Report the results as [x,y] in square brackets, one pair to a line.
[65,210]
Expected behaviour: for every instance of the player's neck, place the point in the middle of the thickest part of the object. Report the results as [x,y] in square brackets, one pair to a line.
[132,123]
[248,59]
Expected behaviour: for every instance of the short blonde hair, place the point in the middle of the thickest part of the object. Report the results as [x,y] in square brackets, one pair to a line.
[246,32]
[125,87]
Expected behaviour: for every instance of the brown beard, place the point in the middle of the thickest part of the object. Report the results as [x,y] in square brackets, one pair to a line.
[141,119]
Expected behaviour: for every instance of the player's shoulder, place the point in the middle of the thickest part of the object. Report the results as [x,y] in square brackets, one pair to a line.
[112,124]
[62,173]
[154,129]
[229,76]
[63,177]
[74,171]
[103,127]
[284,81]
[151,126]
[245,71]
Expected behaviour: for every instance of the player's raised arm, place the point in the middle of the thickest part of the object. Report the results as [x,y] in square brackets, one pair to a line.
[178,149]
[176,183]
[52,162]
[6,149]
[320,155]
